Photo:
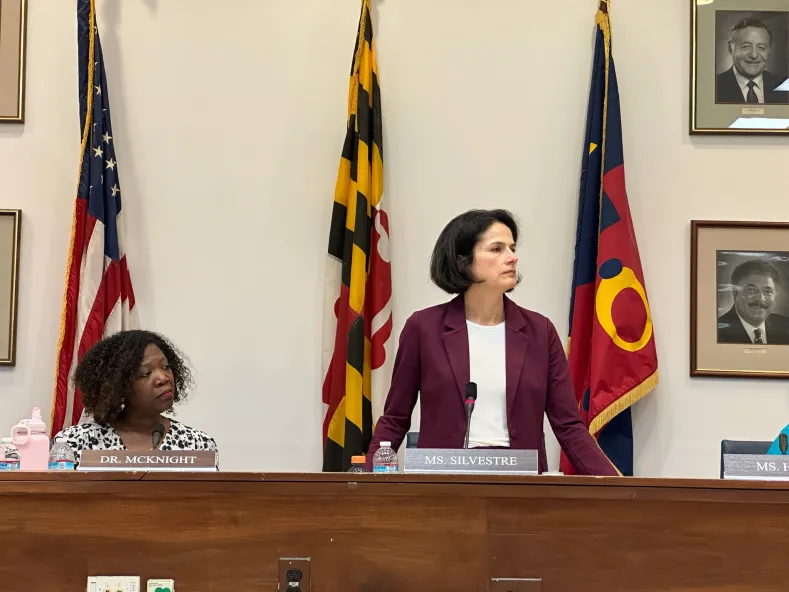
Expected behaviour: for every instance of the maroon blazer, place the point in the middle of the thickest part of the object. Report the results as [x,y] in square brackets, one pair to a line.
[433,362]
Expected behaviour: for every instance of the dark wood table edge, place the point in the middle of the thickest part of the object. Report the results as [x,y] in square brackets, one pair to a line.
[366,478]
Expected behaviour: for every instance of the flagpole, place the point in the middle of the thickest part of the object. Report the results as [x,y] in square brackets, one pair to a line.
[62,372]
[353,96]
[603,21]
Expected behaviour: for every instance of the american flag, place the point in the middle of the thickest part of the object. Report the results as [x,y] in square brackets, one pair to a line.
[99,299]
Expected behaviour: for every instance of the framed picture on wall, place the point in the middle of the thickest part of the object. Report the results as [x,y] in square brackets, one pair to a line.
[13,28]
[739,67]
[739,299]
[10,226]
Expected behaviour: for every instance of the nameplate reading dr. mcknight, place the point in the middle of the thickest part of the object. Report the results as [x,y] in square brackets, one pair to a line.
[471,461]
[757,467]
[170,460]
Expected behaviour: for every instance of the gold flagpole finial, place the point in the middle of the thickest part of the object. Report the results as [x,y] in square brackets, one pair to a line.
[604,22]
[353,95]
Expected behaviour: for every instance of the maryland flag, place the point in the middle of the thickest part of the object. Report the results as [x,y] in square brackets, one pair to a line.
[357,308]
[612,354]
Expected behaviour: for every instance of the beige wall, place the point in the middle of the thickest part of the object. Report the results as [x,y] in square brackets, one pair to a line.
[229,127]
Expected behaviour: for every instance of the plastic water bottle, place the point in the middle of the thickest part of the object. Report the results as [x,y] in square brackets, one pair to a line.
[9,456]
[61,457]
[385,459]
[358,464]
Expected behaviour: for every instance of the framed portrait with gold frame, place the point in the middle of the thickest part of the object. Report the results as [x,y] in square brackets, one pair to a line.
[739,67]
[10,227]
[13,35]
[739,299]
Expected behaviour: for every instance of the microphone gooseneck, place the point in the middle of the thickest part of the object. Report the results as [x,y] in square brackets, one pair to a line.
[471,399]
[157,435]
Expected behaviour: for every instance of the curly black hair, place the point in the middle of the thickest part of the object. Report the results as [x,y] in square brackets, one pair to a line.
[105,373]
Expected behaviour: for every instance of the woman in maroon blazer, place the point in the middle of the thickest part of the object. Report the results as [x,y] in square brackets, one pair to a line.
[514,356]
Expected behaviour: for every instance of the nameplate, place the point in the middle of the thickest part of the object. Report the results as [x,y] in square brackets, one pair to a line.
[471,461]
[756,467]
[163,460]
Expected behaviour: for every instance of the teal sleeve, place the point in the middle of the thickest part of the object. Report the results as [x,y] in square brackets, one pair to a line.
[774,449]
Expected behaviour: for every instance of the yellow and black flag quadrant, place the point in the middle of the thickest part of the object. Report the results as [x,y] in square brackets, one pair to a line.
[358,291]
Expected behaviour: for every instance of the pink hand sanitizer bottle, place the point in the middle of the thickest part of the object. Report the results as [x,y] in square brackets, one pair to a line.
[31,440]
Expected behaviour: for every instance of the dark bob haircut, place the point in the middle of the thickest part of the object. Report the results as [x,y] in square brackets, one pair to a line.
[454,250]
[105,373]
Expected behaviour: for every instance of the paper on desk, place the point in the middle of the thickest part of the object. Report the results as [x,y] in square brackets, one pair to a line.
[769,123]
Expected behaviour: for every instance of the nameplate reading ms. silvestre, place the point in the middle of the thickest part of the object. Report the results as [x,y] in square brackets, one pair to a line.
[756,467]
[162,460]
[473,461]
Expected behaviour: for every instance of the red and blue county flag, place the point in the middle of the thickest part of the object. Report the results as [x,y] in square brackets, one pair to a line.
[357,311]
[612,354]
[98,297]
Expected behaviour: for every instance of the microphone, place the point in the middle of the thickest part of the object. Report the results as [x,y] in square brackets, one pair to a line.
[158,434]
[471,400]
[783,443]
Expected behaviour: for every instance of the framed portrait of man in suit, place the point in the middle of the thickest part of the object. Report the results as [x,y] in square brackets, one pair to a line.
[13,27]
[739,299]
[10,226]
[739,67]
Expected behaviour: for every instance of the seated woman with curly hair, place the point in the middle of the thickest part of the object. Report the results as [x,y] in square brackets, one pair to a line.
[128,381]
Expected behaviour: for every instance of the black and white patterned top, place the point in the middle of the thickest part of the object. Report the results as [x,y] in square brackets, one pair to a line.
[96,436]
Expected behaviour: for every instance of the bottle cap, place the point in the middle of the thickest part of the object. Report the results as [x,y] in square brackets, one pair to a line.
[386,444]
[358,460]
[36,424]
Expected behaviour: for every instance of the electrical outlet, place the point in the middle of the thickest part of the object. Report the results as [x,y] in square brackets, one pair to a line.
[515,585]
[161,586]
[294,574]
[114,584]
